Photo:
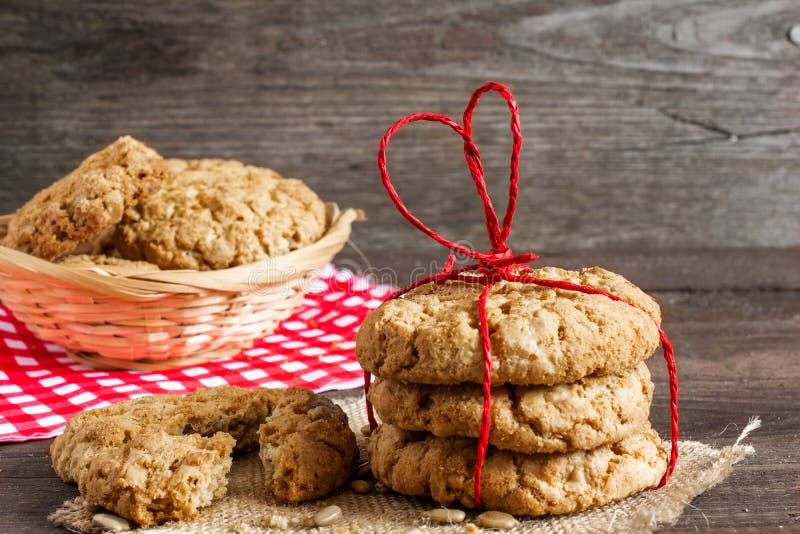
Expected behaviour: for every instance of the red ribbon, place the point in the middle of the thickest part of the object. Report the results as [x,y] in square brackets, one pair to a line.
[497,264]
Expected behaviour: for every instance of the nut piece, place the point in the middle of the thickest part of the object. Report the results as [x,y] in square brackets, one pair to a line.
[380,487]
[327,515]
[445,515]
[361,486]
[495,519]
[366,431]
[471,528]
[111,522]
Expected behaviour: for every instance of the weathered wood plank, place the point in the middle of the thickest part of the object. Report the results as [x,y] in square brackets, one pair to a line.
[647,124]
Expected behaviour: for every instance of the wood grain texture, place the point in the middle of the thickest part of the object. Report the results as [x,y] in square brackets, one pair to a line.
[647,124]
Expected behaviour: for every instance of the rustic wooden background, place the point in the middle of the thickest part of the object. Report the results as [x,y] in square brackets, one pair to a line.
[661,140]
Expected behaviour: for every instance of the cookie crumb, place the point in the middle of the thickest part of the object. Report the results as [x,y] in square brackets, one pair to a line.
[242,528]
[277,521]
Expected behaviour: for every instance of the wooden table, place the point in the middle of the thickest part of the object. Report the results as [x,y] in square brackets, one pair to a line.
[662,140]
[734,320]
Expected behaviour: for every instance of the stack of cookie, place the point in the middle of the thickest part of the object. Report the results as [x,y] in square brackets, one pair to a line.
[127,208]
[570,398]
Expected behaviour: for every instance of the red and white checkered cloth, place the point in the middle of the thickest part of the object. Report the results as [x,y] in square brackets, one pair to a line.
[41,388]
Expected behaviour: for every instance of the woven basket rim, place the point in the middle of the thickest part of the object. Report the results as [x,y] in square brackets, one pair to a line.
[155,284]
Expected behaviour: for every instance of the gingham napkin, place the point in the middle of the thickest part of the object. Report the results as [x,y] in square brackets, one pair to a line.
[41,388]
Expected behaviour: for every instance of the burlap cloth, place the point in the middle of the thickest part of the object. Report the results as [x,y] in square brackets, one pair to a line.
[246,508]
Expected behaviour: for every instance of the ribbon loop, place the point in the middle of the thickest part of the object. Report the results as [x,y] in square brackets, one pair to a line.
[497,234]
[516,136]
[473,163]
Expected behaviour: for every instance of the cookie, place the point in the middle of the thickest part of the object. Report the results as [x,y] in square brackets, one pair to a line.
[214,214]
[235,411]
[417,463]
[593,411]
[308,446]
[118,265]
[88,432]
[539,335]
[156,477]
[79,212]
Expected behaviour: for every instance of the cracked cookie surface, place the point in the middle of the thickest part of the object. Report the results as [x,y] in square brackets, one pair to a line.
[539,335]
[417,463]
[214,214]
[306,447]
[81,210]
[594,411]
[157,477]
[310,444]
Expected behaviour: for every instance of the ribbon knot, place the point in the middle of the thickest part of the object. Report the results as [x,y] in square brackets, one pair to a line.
[495,264]
[500,264]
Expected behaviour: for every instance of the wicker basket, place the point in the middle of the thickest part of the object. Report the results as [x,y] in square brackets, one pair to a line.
[108,318]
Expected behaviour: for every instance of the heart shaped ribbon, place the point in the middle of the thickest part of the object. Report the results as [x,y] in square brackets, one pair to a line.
[499,263]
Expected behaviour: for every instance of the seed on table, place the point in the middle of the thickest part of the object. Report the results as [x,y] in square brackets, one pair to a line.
[366,431]
[444,515]
[495,519]
[361,486]
[380,487]
[327,515]
[471,528]
[111,522]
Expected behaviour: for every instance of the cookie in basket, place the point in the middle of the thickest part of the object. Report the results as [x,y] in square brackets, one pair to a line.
[594,411]
[214,214]
[539,335]
[111,263]
[79,212]
[163,457]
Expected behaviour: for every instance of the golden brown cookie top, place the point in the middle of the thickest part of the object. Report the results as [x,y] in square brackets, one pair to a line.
[81,209]
[539,335]
[214,214]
